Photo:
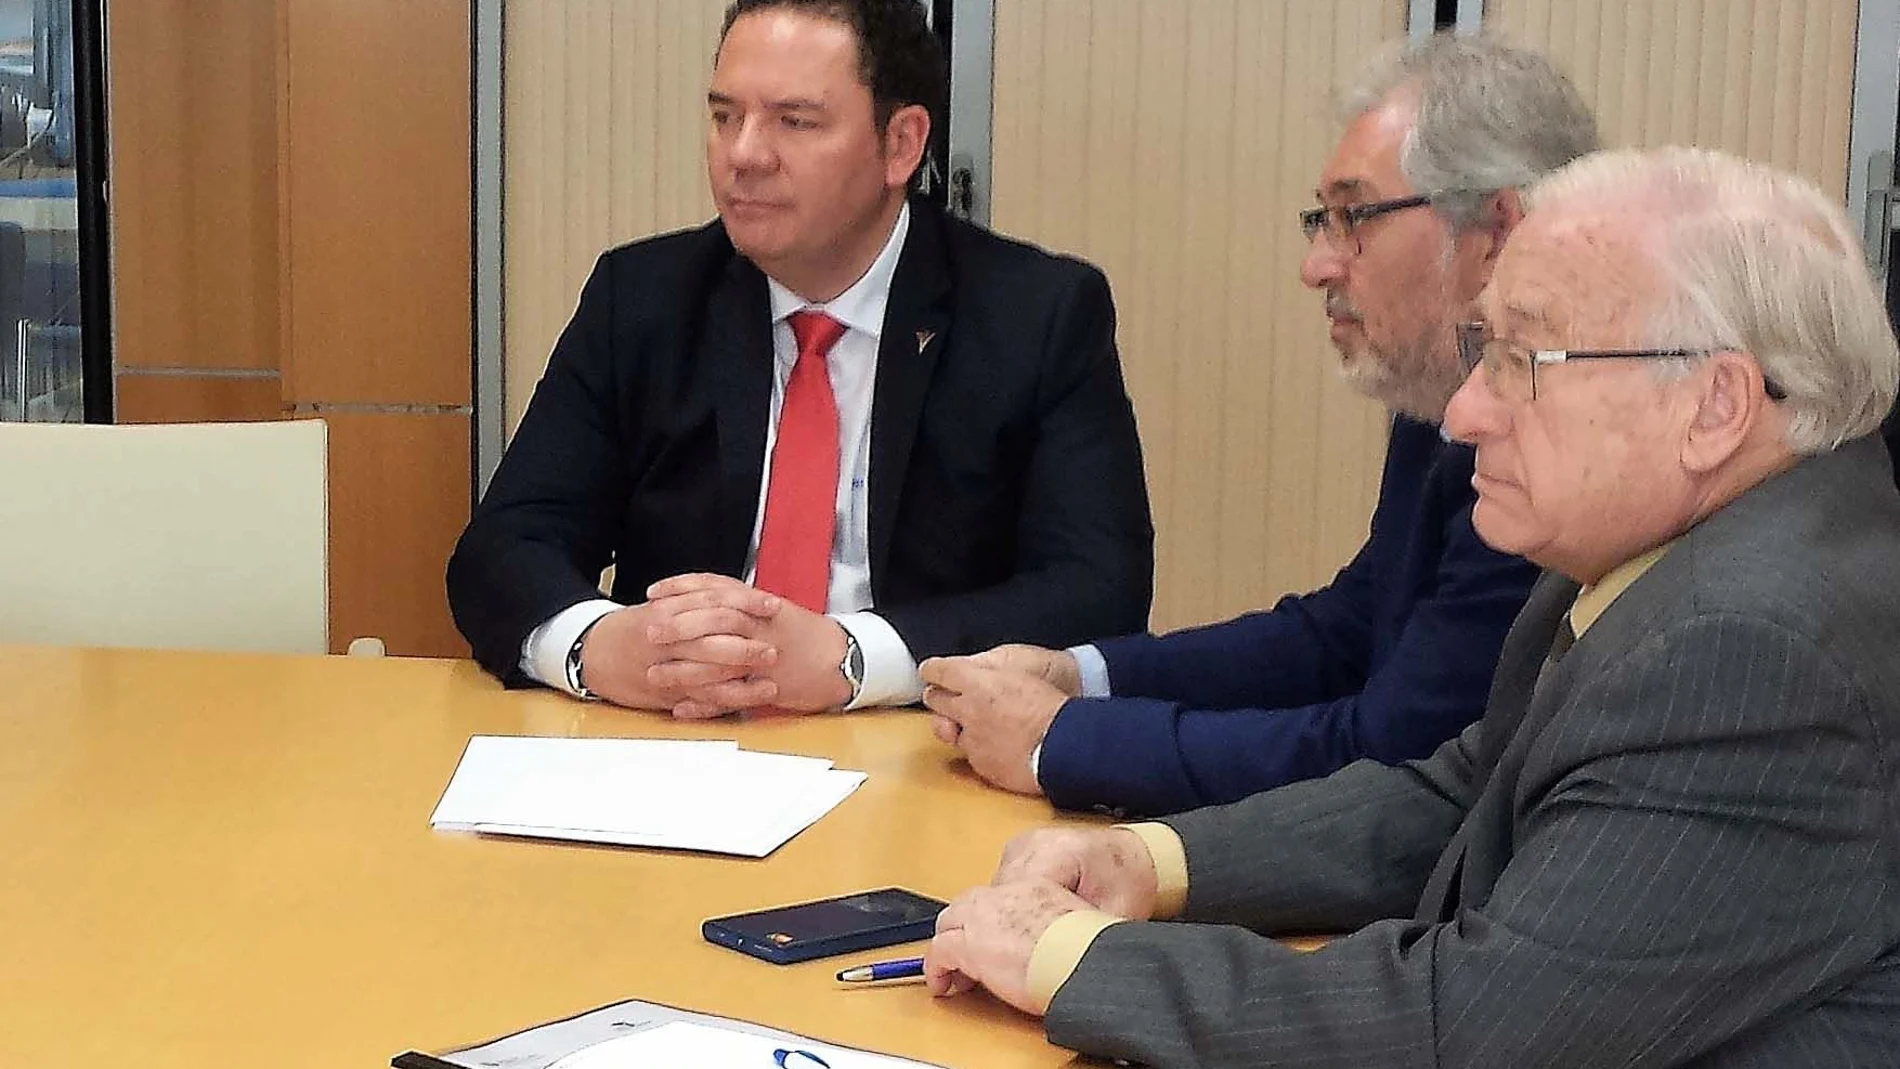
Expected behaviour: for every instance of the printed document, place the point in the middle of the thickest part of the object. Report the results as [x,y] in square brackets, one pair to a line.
[666,793]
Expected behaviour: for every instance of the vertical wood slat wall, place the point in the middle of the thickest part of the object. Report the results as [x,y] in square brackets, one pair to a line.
[605,113]
[193,126]
[378,315]
[291,237]
[1172,142]
[1772,80]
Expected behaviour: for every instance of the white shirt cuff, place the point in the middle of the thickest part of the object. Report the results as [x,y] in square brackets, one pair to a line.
[544,654]
[1093,668]
[890,672]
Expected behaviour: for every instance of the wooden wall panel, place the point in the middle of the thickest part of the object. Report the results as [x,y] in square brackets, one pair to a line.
[377,198]
[1769,79]
[291,191]
[1172,142]
[605,112]
[193,143]
[377,194]
[197,398]
[398,500]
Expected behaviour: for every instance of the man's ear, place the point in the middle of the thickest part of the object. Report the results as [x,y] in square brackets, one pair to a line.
[1482,243]
[1502,213]
[1729,399]
[906,137]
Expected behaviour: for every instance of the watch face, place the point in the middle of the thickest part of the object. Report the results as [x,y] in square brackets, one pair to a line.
[853,666]
[574,670]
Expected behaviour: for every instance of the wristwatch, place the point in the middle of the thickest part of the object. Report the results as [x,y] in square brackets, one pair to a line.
[574,682]
[852,667]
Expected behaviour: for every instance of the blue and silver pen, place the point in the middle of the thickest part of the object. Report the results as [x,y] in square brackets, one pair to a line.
[901,969]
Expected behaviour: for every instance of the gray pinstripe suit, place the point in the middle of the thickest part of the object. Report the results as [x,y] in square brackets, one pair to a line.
[1681,847]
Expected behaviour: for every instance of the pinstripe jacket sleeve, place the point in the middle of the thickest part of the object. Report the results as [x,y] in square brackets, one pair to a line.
[1688,830]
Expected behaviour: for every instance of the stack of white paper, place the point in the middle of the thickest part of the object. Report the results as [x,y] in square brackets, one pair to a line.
[679,795]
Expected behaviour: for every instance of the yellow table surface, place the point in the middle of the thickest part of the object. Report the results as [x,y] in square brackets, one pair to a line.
[216,859]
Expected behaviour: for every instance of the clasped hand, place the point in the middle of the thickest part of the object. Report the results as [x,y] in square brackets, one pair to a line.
[705,645]
[988,935]
[997,706]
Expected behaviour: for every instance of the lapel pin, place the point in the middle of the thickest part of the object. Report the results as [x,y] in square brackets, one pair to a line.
[923,339]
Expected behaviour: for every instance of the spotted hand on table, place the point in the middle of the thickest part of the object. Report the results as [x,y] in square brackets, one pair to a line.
[987,936]
[995,715]
[1109,868]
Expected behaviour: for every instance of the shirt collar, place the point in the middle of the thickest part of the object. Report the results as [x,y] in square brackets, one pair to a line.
[861,307]
[1594,600]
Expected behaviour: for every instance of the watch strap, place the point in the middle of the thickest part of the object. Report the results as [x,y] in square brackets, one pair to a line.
[575,682]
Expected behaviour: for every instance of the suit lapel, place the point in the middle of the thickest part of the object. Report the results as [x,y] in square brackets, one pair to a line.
[1520,664]
[916,325]
[738,355]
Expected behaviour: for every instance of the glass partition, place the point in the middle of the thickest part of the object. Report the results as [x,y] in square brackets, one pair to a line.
[41,374]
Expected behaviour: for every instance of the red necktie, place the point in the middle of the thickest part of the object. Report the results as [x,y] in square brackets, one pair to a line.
[801,502]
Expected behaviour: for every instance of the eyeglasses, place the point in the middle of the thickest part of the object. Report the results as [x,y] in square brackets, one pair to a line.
[1340,222]
[1511,370]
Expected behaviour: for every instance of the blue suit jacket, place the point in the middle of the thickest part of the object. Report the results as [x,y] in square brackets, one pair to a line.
[1388,662]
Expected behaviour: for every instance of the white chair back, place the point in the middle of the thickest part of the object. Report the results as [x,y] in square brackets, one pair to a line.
[180,536]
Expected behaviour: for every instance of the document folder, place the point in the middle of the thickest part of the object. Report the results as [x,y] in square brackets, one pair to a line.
[587,1041]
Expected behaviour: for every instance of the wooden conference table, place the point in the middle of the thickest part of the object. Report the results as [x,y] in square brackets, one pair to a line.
[225,859]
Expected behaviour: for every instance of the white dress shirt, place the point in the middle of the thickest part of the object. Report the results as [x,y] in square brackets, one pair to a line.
[890,672]
[1092,671]
[1092,668]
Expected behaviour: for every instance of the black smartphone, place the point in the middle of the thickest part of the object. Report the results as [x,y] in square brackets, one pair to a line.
[829,926]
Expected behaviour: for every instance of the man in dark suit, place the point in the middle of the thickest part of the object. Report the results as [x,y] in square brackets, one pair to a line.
[1671,840]
[827,435]
[1394,656]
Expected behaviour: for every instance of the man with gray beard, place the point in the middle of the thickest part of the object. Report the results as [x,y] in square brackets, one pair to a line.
[1396,655]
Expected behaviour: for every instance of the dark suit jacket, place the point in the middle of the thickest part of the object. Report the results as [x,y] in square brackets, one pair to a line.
[1006,492]
[1891,431]
[1388,662]
[1679,847]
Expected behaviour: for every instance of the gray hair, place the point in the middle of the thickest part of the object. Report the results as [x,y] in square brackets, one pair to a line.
[1757,261]
[1490,117]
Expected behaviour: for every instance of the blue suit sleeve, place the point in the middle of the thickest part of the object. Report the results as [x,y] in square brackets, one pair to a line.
[1308,648]
[1243,707]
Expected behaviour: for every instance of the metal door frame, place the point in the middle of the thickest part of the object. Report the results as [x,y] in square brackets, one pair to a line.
[1870,144]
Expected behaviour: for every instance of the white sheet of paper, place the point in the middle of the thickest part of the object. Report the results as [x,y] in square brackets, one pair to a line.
[640,792]
[684,1045]
[751,826]
[491,764]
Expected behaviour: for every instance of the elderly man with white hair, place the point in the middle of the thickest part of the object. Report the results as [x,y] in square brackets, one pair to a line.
[1674,838]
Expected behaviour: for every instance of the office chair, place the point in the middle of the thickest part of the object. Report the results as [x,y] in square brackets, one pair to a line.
[181,536]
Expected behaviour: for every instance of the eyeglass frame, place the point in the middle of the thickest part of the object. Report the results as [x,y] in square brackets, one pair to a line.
[1471,338]
[1317,220]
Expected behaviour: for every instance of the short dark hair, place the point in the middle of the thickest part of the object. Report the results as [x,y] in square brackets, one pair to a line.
[899,58]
